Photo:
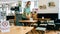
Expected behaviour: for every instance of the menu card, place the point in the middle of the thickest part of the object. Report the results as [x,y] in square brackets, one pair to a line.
[5,27]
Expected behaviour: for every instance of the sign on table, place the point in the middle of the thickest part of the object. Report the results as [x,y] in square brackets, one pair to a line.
[5,27]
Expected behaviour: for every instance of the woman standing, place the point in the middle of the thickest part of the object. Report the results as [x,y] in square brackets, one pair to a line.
[26,13]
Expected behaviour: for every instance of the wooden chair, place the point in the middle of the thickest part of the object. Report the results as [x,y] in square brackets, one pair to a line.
[50,25]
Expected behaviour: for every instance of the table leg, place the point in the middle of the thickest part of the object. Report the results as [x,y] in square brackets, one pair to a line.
[42,32]
[25,24]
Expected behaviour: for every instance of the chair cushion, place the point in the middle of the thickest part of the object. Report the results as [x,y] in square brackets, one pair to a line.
[41,28]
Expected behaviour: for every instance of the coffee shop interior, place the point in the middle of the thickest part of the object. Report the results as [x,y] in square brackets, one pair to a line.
[31,16]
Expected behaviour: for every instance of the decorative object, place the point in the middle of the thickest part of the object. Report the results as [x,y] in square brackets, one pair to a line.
[20,3]
[42,7]
[51,4]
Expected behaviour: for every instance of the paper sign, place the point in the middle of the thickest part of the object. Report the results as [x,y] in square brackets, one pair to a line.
[5,27]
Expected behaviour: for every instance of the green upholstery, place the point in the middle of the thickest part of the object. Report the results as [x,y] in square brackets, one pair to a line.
[18,17]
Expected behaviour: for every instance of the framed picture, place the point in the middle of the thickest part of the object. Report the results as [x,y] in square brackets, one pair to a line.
[20,3]
[42,7]
[51,4]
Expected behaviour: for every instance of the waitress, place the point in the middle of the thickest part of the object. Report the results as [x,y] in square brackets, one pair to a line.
[27,13]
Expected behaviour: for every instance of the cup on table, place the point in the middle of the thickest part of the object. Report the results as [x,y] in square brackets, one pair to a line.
[31,19]
[11,24]
[42,17]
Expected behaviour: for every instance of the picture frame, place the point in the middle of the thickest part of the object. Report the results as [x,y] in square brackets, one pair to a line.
[51,4]
[42,7]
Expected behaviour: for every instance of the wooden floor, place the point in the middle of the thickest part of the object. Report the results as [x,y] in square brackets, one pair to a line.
[47,32]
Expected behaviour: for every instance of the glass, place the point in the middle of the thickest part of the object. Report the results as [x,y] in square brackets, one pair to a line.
[31,18]
[11,24]
[42,17]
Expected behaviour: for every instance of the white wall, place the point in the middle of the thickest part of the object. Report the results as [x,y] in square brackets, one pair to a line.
[49,9]
[59,11]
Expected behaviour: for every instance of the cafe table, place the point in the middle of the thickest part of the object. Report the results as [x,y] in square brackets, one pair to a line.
[28,21]
[44,19]
[18,30]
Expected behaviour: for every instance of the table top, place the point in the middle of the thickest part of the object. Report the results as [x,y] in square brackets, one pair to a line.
[27,20]
[18,30]
[44,18]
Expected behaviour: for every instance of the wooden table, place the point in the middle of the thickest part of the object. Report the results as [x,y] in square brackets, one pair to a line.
[28,22]
[44,18]
[18,30]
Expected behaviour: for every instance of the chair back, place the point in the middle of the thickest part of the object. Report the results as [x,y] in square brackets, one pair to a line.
[50,22]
